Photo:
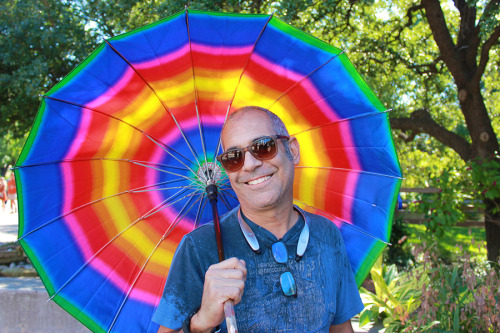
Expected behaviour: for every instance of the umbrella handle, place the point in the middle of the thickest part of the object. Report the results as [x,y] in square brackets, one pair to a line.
[230,317]
[228,305]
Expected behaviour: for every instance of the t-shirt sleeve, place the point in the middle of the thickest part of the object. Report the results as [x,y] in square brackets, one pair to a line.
[349,301]
[184,287]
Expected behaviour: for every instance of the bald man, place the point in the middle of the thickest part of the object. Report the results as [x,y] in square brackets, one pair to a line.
[287,269]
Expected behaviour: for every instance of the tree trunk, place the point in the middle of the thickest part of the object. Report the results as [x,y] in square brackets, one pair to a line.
[484,146]
[492,228]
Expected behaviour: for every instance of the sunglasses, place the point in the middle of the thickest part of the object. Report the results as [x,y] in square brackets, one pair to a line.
[263,148]
[287,281]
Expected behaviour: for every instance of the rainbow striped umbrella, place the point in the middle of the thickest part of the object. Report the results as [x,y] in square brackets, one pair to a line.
[114,171]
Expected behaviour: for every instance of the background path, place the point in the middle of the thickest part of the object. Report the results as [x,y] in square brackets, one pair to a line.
[8,226]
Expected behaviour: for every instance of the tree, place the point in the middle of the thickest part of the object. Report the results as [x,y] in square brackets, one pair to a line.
[465,52]
[432,62]
[41,41]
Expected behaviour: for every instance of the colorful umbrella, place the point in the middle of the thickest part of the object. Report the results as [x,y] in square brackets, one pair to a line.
[114,171]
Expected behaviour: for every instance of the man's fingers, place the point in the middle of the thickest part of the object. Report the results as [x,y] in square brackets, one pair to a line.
[226,280]
[231,263]
[231,268]
[228,273]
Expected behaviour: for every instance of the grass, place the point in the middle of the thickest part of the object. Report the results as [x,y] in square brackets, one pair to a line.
[472,240]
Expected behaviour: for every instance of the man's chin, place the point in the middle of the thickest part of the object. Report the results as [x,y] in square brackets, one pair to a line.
[260,202]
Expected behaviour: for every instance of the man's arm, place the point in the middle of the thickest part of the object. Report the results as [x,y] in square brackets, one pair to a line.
[342,328]
[163,329]
[223,281]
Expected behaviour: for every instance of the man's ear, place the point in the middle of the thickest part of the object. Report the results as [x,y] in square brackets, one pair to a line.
[295,150]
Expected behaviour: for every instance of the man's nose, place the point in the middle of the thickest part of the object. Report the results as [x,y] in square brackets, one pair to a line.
[251,162]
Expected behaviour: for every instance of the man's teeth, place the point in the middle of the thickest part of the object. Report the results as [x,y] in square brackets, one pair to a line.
[258,180]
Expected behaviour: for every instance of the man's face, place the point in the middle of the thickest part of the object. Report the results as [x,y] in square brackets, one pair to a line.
[260,185]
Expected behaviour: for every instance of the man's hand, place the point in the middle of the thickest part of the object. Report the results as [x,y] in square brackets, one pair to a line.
[223,281]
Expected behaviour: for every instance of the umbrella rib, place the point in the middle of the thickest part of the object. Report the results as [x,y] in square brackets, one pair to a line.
[342,221]
[223,181]
[141,163]
[228,194]
[199,212]
[167,188]
[136,190]
[165,106]
[363,115]
[225,185]
[195,87]
[160,144]
[195,193]
[349,170]
[169,172]
[239,81]
[150,212]
[224,201]
[141,270]
[303,78]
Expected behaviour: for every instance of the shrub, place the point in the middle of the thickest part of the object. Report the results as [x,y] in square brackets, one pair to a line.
[463,297]
[397,295]
[434,296]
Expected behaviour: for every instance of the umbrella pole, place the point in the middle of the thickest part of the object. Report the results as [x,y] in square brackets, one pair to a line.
[228,305]
[212,197]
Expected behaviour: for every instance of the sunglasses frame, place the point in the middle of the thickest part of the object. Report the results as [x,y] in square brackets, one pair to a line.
[243,150]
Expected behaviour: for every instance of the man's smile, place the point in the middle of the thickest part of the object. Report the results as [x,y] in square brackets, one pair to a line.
[259,180]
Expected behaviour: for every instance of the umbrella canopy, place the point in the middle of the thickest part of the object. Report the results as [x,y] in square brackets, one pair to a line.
[114,171]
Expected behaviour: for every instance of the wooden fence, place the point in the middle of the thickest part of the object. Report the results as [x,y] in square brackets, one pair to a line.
[474,215]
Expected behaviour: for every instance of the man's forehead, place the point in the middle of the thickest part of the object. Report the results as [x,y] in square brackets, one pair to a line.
[247,115]
[244,127]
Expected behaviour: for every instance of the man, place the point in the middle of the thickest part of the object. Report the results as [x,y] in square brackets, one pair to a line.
[281,286]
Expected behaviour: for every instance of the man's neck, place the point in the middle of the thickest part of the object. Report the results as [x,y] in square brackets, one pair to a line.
[277,220]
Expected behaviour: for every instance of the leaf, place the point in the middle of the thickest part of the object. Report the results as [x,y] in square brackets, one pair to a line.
[456,325]
[365,317]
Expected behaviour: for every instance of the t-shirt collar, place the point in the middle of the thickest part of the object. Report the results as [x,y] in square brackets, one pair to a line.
[251,231]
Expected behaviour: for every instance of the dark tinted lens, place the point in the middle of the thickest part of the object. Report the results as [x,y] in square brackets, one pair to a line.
[232,160]
[264,148]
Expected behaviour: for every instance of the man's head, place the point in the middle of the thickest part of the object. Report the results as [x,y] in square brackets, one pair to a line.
[261,184]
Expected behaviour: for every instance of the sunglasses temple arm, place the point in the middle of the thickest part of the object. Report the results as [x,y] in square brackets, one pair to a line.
[211,190]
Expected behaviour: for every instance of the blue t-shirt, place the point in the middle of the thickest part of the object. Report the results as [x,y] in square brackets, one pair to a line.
[326,290]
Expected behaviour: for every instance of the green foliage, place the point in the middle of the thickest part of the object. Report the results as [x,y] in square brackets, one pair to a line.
[41,41]
[10,147]
[470,239]
[434,296]
[486,174]
[460,189]
[397,295]
[446,207]
[463,297]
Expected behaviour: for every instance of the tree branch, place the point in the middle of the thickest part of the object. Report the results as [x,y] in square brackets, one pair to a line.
[485,52]
[420,121]
[437,22]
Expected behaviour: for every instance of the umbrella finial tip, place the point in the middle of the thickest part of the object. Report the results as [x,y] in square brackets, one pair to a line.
[209,173]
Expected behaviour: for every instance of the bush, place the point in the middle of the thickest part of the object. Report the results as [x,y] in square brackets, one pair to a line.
[434,296]
[397,295]
[463,297]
